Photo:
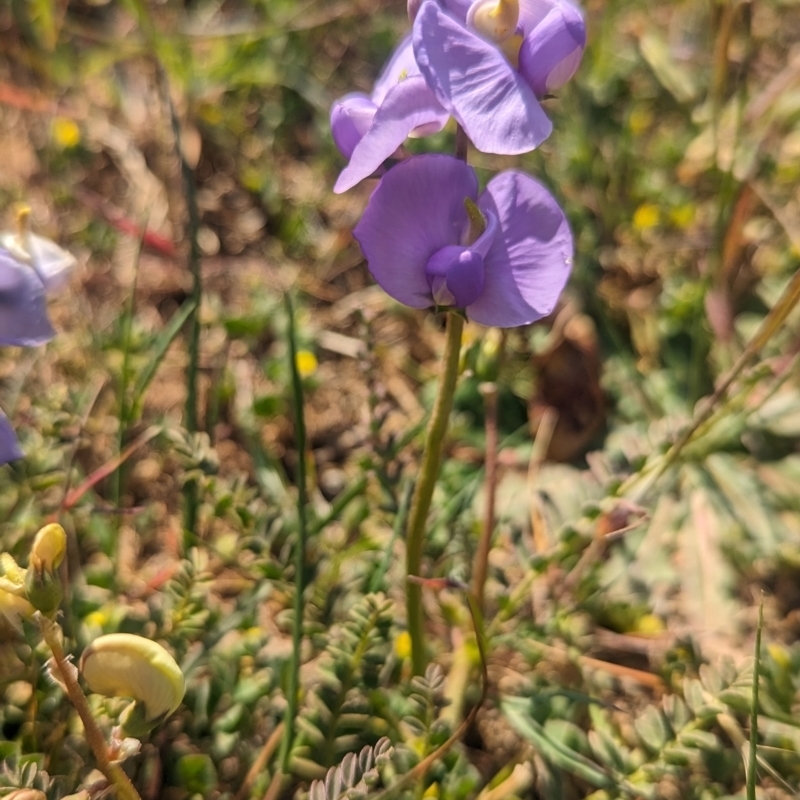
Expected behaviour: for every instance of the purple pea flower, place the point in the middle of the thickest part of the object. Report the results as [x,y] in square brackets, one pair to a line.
[422,245]
[9,447]
[490,67]
[29,267]
[369,129]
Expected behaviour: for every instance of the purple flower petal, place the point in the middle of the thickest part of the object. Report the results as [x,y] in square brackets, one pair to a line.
[455,275]
[529,262]
[9,447]
[474,81]
[409,105]
[551,53]
[401,65]
[23,305]
[48,260]
[417,209]
[532,12]
[351,117]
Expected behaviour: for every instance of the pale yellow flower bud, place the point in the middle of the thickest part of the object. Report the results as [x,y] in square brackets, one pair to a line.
[125,665]
[48,549]
[42,585]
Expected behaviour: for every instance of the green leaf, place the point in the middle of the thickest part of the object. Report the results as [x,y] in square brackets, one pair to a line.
[676,78]
[196,773]
[516,711]
[653,728]
[162,343]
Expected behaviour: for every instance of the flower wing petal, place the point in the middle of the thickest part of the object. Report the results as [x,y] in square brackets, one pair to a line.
[417,209]
[9,447]
[401,65]
[474,81]
[409,105]
[530,259]
[351,117]
[23,305]
[551,53]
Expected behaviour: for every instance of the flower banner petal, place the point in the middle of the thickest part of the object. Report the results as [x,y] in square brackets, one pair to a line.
[23,305]
[409,105]
[473,80]
[531,257]
[417,209]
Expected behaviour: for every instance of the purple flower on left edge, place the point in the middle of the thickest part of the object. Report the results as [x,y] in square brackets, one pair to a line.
[422,245]
[368,129]
[29,267]
[490,62]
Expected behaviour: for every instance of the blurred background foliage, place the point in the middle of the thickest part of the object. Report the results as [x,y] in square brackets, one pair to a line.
[621,606]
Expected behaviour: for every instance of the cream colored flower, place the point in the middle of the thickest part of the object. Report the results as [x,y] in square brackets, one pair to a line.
[125,665]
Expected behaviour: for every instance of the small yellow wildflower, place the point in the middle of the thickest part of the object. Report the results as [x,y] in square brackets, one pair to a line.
[306,363]
[402,646]
[646,216]
[66,133]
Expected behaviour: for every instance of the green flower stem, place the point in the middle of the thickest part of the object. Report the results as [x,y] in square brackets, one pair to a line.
[300,546]
[94,736]
[423,491]
[191,489]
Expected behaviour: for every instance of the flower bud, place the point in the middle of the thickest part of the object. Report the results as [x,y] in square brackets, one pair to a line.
[48,549]
[42,584]
[487,366]
[125,665]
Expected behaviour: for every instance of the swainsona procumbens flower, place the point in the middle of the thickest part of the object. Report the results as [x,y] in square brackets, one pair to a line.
[368,129]
[30,266]
[490,62]
[431,240]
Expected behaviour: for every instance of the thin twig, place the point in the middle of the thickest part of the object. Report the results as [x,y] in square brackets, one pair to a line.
[267,751]
[705,408]
[752,767]
[480,570]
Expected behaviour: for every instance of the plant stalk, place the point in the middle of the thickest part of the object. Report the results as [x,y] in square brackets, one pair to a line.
[423,491]
[480,570]
[94,736]
[191,489]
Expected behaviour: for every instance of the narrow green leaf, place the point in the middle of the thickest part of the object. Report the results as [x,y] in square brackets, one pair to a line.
[752,761]
[516,710]
[162,343]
